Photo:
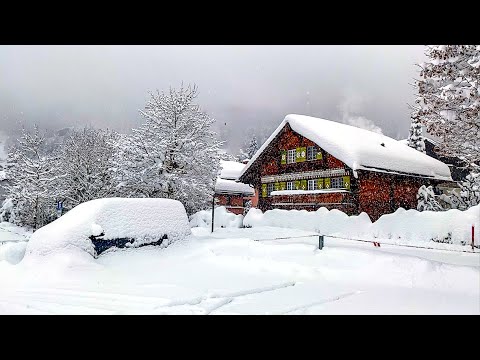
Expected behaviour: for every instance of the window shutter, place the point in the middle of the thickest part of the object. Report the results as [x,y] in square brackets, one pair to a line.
[327,183]
[277,186]
[297,184]
[303,184]
[264,190]
[301,154]
[282,185]
[320,184]
[283,157]
[346,182]
[319,154]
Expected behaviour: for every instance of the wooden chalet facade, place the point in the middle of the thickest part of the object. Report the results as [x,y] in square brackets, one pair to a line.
[292,171]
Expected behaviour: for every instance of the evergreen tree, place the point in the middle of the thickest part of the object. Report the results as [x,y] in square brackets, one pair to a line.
[426,200]
[252,147]
[415,138]
[448,101]
[469,192]
[173,154]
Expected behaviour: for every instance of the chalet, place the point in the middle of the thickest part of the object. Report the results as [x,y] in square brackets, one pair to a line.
[231,193]
[308,163]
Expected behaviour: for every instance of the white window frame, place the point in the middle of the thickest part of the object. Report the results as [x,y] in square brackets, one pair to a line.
[270,188]
[291,156]
[312,153]
[337,183]
[312,184]
[290,185]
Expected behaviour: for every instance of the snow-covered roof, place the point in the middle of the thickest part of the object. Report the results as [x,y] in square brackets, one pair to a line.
[224,186]
[230,169]
[361,149]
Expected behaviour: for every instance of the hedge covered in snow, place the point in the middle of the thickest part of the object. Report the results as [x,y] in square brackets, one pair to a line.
[402,226]
[223,218]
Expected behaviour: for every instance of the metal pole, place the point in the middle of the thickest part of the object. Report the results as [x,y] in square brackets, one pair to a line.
[320,242]
[213,210]
[473,237]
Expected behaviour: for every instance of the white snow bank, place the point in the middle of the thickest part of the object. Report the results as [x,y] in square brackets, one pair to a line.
[402,226]
[223,219]
[3,175]
[145,220]
[13,252]
[322,221]
[230,169]
[453,226]
[10,232]
[361,149]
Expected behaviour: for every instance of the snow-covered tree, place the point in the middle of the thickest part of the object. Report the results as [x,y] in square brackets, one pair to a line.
[174,153]
[415,137]
[469,192]
[252,147]
[86,166]
[448,99]
[426,200]
[31,194]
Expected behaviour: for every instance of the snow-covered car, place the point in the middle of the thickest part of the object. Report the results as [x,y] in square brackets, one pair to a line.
[98,225]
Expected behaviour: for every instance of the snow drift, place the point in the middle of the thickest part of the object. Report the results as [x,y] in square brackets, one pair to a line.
[223,219]
[145,220]
[402,226]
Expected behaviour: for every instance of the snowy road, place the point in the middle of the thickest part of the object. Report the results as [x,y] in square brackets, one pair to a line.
[229,273]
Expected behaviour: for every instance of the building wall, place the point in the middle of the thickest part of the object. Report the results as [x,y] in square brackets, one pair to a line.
[233,203]
[380,194]
[271,164]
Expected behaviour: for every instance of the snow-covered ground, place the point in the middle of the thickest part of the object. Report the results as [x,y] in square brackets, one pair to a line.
[227,272]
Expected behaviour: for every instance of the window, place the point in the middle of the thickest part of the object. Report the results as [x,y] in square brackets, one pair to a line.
[337,183]
[269,188]
[312,184]
[311,153]
[290,185]
[291,156]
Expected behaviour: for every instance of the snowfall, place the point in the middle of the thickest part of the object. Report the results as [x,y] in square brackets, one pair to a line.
[260,269]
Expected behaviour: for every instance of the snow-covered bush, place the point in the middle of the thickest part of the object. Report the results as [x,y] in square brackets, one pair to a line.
[469,194]
[13,252]
[145,220]
[402,226]
[323,221]
[426,200]
[223,219]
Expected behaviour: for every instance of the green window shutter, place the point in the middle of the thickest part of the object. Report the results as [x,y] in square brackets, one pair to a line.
[282,185]
[277,186]
[297,184]
[283,157]
[327,183]
[346,182]
[301,154]
[264,190]
[303,184]
[320,184]
[319,154]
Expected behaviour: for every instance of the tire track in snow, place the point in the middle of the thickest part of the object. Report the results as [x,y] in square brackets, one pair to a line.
[321,302]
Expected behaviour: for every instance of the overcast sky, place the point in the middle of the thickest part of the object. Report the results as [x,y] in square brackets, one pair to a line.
[240,86]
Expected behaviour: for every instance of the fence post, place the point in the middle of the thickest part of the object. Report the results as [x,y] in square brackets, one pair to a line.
[473,237]
[320,242]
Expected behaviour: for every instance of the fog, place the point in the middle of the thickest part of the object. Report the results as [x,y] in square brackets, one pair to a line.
[242,87]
